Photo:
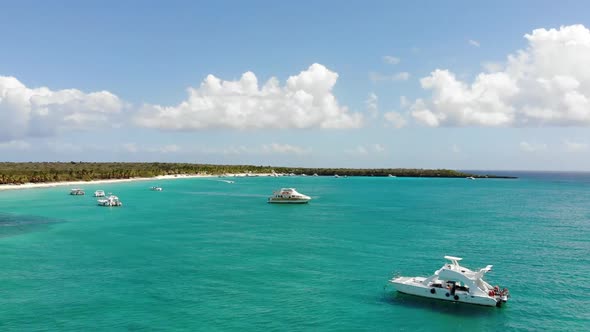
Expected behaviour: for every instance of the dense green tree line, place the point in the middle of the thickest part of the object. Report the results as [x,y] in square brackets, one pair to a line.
[35,172]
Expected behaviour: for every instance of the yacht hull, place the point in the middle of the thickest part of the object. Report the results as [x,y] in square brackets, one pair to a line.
[287,201]
[413,286]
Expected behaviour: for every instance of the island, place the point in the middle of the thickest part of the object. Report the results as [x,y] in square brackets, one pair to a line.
[43,172]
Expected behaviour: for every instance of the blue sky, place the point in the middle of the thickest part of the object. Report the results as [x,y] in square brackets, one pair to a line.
[363,84]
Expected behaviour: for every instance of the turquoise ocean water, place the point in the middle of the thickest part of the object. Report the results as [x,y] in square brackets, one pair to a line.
[205,255]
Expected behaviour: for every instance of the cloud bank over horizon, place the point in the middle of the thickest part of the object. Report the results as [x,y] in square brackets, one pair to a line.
[545,84]
[40,112]
[305,101]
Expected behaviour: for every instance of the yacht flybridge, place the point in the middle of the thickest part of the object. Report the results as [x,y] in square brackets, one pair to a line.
[453,282]
[288,196]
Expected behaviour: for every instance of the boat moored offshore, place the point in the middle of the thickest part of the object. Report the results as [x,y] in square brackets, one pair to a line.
[156,188]
[112,200]
[288,196]
[99,193]
[453,282]
[77,192]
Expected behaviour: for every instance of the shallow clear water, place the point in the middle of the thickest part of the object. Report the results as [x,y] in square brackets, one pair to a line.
[208,255]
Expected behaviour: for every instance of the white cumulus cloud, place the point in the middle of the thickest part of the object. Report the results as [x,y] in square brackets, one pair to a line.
[265,149]
[28,112]
[473,42]
[572,146]
[305,101]
[130,147]
[134,148]
[532,147]
[378,148]
[284,149]
[363,150]
[15,145]
[372,104]
[170,148]
[377,77]
[546,84]
[395,119]
[404,102]
[392,60]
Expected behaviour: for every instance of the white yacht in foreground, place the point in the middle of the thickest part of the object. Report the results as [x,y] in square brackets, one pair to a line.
[112,200]
[288,196]
[453,282]
[99,193]
[156,188]
[76,192]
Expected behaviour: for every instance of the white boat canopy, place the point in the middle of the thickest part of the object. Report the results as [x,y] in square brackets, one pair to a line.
[453,259]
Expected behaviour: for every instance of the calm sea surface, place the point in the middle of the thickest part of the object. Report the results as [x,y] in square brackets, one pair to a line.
[206,255]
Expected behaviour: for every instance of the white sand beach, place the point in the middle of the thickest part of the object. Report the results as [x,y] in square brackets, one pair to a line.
[81,183]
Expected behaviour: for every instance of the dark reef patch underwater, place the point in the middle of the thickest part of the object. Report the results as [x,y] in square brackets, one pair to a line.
[12,224]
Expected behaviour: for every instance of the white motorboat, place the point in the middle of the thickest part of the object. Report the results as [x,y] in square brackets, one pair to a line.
[155,188]
[99,193]
[470,178]
[112,200]
[76,192]
[288,196]
[454,282]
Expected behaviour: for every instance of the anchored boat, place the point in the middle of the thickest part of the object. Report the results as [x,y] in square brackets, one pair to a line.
[112,200]
[76,192]
[453,282]
[288,196]
[99,193]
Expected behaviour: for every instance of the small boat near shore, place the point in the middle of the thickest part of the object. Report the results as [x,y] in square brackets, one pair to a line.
[453,282]
[112,200]
[77,192]
[288,196]
[99,193]
[156,188]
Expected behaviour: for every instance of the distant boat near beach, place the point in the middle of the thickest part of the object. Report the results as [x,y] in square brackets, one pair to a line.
[470,178]
[99,193]
[112,200]
[77,192]
[156,188]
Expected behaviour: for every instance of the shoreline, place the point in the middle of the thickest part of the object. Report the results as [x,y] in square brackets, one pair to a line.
[92,182]
[40,185]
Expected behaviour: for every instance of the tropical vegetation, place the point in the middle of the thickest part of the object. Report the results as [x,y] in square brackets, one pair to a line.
[37,172]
